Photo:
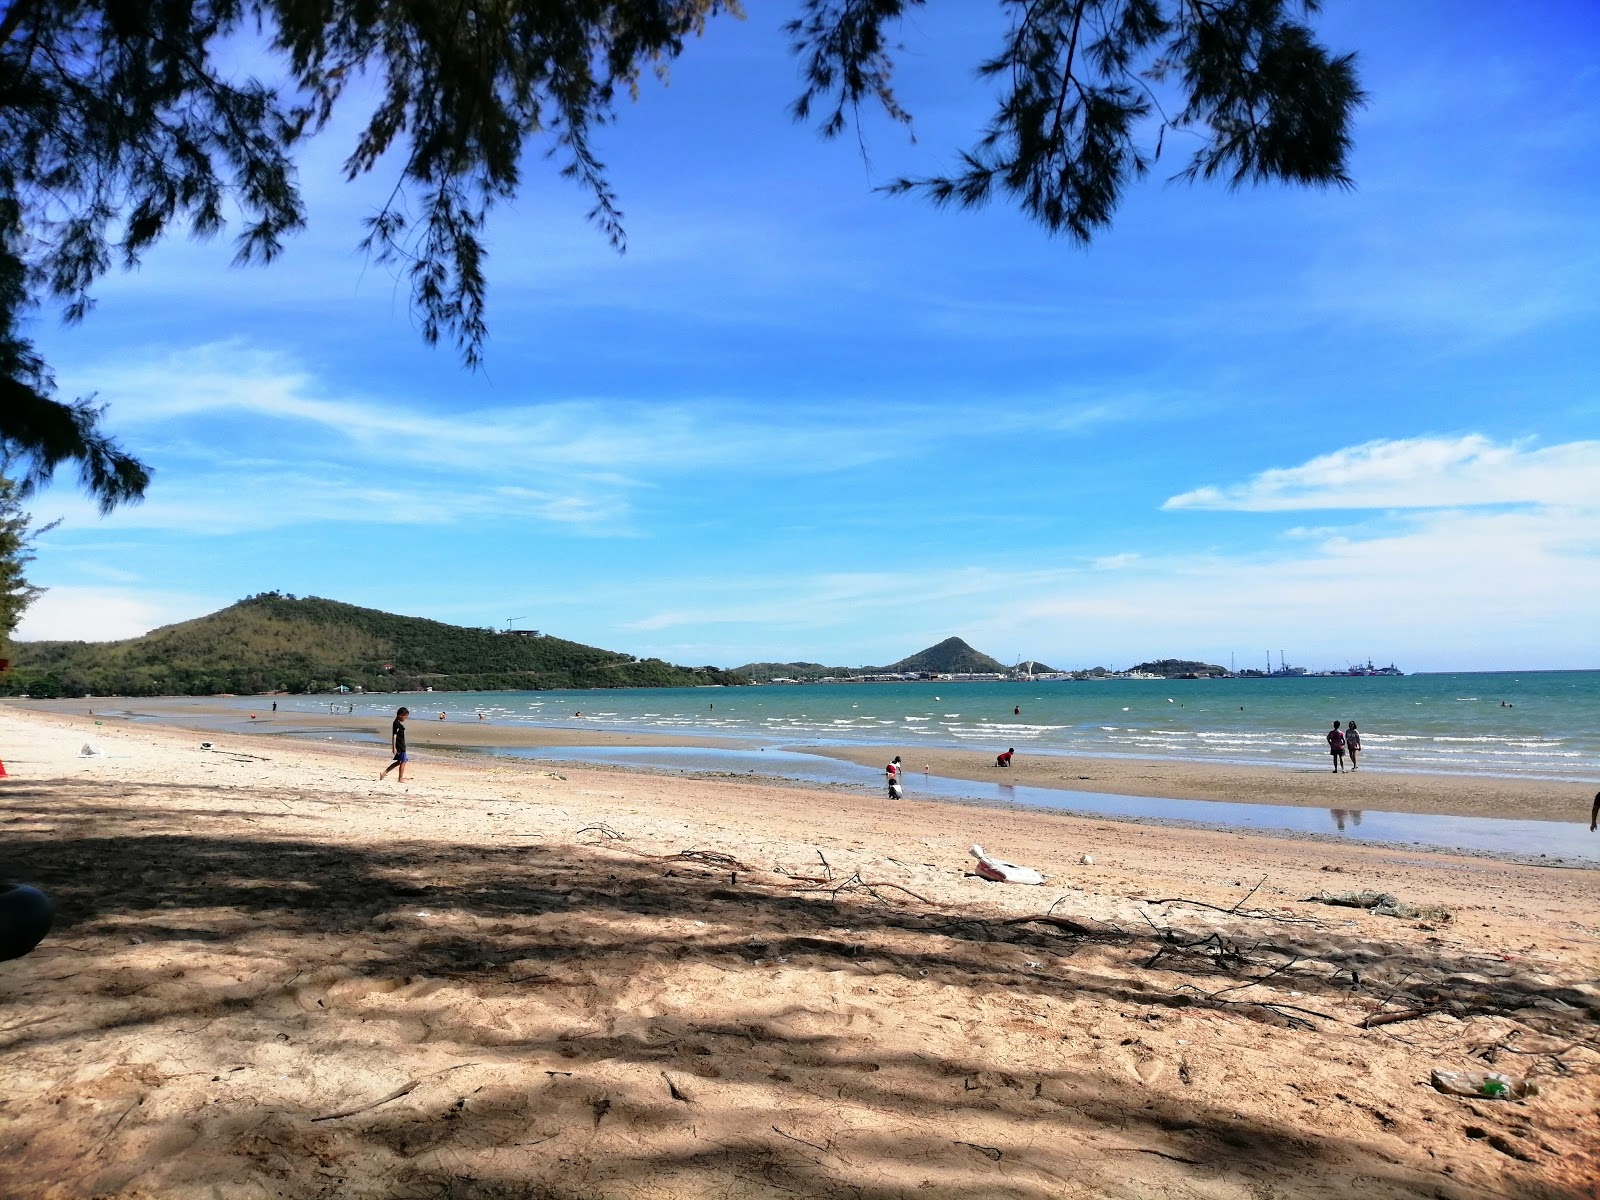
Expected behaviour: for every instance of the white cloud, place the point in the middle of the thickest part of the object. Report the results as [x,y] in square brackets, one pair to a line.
[1426,472]
[106,614]
[1439,590]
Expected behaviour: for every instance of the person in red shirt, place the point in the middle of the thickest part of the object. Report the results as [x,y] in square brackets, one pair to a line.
[1004,760]
[1336,747]
[891,778]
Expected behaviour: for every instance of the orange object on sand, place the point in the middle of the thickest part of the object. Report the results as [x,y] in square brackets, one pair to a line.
[2,770]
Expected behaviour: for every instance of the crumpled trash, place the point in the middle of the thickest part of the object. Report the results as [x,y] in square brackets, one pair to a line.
[1000,871]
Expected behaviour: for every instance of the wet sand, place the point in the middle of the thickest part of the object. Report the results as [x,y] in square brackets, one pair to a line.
[273,975]
[423,727]
[1314,786]
[1311,786]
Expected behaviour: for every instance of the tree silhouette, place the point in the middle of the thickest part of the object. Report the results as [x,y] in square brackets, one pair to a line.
[122,119]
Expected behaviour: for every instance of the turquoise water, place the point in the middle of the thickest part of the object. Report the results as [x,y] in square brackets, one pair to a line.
[1432,723]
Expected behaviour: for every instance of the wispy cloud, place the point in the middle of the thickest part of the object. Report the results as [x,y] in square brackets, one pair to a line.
[1417,473]
[260,442]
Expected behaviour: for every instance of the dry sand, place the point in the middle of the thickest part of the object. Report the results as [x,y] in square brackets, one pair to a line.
[273,976]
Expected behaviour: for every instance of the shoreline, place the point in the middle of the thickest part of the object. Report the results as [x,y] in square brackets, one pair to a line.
[269,969]
[1311,786]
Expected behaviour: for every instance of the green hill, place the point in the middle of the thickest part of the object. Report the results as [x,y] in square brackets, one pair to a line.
[950,657]
[1177,668]
[274,642]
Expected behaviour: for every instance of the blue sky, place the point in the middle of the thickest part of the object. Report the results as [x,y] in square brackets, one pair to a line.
[799,419]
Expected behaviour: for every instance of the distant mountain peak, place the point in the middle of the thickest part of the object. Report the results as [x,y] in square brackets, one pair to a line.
[950,657]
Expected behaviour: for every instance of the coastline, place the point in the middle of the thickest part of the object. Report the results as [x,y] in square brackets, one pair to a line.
[1310,786]
[269,967]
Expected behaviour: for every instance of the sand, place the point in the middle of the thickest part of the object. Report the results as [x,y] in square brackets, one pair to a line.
[274,976]
[1313,785]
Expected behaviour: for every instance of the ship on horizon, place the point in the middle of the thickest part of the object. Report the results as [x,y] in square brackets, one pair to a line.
[1369,669]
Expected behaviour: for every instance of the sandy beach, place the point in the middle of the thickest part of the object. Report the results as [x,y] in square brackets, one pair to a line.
[1310,786]
[272,975]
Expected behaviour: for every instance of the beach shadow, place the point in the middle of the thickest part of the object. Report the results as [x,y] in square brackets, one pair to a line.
[558,1007]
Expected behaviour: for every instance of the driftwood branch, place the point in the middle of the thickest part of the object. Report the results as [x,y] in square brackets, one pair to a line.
[1292,1013]
[404,1089]
[1394,1018]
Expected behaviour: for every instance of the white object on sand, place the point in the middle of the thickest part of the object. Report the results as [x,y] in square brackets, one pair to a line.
[1001,871]
[90,750]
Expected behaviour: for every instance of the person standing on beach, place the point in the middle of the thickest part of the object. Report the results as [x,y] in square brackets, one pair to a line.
[1352,743]
[891,778]
[1594,813]
[397,738]
[1336,747]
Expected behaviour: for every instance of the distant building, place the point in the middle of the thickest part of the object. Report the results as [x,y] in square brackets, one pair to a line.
[523,633]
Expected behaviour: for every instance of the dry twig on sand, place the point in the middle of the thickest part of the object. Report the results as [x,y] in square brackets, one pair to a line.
[1239,909]
[404,1089]
[857,884]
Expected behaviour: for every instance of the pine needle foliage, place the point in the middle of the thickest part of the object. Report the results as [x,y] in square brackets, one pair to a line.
[122,121]
[16,552]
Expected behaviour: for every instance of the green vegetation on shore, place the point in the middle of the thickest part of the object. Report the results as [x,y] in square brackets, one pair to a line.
[274,642]
[1179,668]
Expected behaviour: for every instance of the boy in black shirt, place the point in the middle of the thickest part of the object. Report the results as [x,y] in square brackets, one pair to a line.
[398,738]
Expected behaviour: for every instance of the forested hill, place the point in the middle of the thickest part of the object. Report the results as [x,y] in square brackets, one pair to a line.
[274,642]
[950,657]
[1177,668]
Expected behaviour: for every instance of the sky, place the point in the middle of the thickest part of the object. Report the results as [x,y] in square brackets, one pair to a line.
[801,419]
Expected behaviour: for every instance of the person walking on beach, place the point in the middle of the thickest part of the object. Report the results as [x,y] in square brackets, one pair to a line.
[891,779]
[1352,743]
[1336,747]
[397,738]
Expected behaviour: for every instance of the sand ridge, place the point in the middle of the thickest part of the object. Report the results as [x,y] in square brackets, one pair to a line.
[274,975]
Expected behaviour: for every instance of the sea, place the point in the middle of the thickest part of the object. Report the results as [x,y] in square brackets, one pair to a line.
[1530,724]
